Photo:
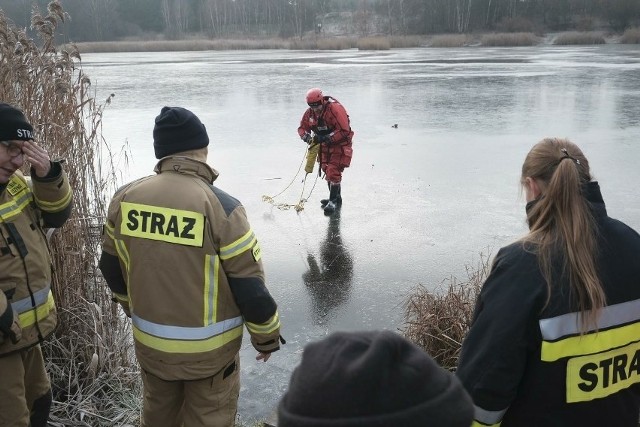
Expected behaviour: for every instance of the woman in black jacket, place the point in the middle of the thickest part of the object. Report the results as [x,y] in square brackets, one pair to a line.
[555,339]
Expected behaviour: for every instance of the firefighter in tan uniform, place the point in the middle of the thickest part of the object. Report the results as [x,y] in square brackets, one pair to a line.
[180,257]
[27,309]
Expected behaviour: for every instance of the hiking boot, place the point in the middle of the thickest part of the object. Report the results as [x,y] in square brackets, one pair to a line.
[323,202]
[334,201]
[330,207]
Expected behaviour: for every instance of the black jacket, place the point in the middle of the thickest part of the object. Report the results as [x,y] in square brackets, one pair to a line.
[525,364]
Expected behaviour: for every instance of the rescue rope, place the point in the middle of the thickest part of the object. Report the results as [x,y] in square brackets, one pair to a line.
[300,205]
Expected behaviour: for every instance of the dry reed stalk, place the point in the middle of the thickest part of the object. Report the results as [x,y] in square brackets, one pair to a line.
[579,38]
[373,43]
[631,36]
[90,353]
[509,39]
[449,40]
[438,319]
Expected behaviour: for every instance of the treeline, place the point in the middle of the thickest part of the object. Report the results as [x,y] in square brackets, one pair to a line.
[109,20]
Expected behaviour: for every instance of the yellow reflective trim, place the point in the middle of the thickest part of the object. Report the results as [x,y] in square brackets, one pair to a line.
[239,246]
[121,297]
[595,342]
[181,346]
[600,375]
[15,206]
[28,318]
[211,272]
[479,424]
[110,229]
[207,289]
[55,206]
[266,328]
[123,254]
[162,224]
[216,288]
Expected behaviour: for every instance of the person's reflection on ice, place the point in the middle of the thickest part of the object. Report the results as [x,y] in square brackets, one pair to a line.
[329,280]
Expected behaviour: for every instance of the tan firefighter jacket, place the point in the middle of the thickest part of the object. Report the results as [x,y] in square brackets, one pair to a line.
[188,271]
[25,262]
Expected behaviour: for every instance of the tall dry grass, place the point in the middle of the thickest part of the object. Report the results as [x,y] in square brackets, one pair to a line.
[322,43]
[449,40]
[181,45]
[509,39]
[94,378]
[406,41]
[306,43]
[373,43]
[579,38]
[388,42]
[631,36]
[438,318]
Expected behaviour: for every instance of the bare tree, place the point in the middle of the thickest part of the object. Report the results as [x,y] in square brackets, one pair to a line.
[166,15]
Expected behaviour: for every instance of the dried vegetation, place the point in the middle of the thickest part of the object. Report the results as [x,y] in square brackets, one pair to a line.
[631,36]
[449,40]
[509,39]
[94,377]
[579,38]
[437,319]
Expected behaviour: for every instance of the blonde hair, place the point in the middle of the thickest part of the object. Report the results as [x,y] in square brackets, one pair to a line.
[561,222]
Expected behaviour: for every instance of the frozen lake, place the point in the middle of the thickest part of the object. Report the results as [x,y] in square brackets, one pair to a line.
[421,201]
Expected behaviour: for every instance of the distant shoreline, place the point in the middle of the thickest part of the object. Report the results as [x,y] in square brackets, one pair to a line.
[323,42]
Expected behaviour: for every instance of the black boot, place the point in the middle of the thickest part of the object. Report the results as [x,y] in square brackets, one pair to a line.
[40,410]
[323,202]
[333,202]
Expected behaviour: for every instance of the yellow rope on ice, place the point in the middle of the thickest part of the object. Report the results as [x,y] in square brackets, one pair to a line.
[310,157]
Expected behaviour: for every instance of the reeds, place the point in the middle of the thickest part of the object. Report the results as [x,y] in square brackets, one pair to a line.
[306,43]
[182,45]
[437,319]
[509,39]
[373,43]
[579,38]
[89,355]
[449,40]
[631,36]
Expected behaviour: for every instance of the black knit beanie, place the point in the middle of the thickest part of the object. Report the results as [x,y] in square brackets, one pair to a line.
[178,129]
[13,124]
[375,378]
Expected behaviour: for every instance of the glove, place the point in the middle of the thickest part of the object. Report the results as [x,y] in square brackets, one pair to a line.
[322,139]
[307,137]
[9,325]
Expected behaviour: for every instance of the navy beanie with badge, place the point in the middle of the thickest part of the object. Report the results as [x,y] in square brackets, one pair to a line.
[13,124]
[374,379]
[178,129]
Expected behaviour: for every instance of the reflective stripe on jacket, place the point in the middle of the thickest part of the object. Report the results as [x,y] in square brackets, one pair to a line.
[25,209]
[193,271]
[526,363]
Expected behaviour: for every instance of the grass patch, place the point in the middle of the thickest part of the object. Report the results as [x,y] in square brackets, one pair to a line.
[307,43]
[438,319]
[181,45]
[325,43]
[579,38]
[373,43]
[406,41]
[509,39]
[631,36]
[449,40]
